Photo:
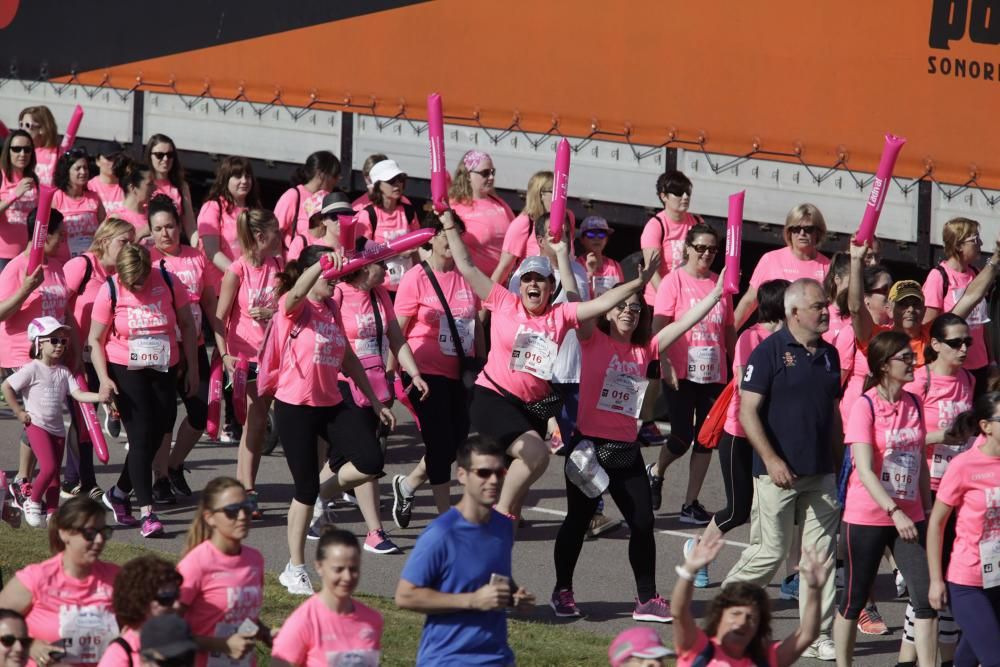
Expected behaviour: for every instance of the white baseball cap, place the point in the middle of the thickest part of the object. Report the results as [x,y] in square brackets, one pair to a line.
[385,171]
[44,326]
[536,264]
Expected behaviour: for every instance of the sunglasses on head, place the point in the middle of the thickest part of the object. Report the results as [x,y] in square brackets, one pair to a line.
[957,343]
[631,307]
[233,511]
[801,229]
[90,534]
[596,234]
[166,598]
[702,249]
[486,173]
[486,473]
[22,149]
[8,641]
[162,155]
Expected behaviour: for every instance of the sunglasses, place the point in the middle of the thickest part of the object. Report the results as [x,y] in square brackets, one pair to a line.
[8,641]
[596,234]
[21,149]
[993,419]
[162,156]
[90,534]
[233,511]
[957,343]
[801,229]
[907,358]
[677,192]
[884,291]
[485,173]
[631,307]
[397,180]
[972,239]
[56,340]
[166,599]
[486,473]
[30,126]
[702,249]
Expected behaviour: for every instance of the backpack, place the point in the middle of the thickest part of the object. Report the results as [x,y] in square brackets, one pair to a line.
[408,209]
[87,273]
[711,429]
[123,645]
[944,280]
[271,351]
[114,291]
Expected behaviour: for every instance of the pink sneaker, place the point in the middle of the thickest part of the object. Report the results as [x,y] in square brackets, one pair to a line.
[655,609]
[121,510]
[151,526]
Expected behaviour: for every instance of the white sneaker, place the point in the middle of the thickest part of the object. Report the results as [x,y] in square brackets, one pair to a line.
[821,649]
[296,580]
[900,584]
[33,513]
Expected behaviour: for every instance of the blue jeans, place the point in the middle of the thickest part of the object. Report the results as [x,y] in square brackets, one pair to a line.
[570,394]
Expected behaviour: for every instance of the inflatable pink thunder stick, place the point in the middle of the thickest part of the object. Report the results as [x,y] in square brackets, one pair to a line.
[560,187]
[734,242]
[880,187]
[88,414]
[69,138]
[398,246]
[37,255]
[214,418]
[439,168]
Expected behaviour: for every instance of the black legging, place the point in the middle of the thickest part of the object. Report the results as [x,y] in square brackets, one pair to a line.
[197,406]
[147,402]
[444,423]
[687,407]
[79,468]
[629,488]
[736,459]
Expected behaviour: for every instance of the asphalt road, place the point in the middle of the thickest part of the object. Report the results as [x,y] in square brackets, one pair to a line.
[603,582]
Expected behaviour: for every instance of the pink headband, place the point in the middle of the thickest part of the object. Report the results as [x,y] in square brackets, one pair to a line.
[474,157]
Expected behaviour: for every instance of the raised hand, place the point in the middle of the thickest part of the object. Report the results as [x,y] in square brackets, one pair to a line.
[813,571]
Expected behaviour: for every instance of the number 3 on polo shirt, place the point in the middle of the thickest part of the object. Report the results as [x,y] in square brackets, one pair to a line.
[149,352]
[534,353]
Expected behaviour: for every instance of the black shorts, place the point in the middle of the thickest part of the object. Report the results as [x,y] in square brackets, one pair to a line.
[500,419]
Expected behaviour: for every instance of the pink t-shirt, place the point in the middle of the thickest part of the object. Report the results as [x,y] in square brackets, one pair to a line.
[486,222]
[523,346]
[428,332]
[783,264]
[943,398]
[220,592]
[217,218]
[520,240]
[957,284]
[311,359]
[138,220]
[144,321]
[613,400]
[188,266]
[44,390]
[165,187]
[13,220]
[48,299]
[605,277]
[699,355]
[110,193]
[83,296]
[837,323]
[719,658]
[292,221]
[663,233]
[256,288]
[58,601]
[745,344]
[855,362]
[315,636]
[116,656]
[358,319]
[972,486]
[898,434]
[299,243]
[80,221]
[45,163]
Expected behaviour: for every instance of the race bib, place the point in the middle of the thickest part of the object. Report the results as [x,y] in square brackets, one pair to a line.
[368,347]
[358,658]
[622,393]
[396,267]
[943,454]
[601,284]
[534,353]
[466,332]
[149,352]
[703,364]
[79,245]
[86,632]
[989,545]
[979,315]
[900,470]
[221,660]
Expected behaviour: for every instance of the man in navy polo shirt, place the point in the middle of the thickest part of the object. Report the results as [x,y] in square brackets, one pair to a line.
[789,410]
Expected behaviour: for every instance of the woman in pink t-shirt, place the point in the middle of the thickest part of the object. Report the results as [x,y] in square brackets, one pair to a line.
[834,284]
[247,301]
[485,215]
[18,193]
[223,588]
[387,217]
[513,399]
[73,584]
[665,232]
[616,351]
[697,365]
[422,318]
[82,209]
[805,229]
[331,627]
[234,190]
[603,273]
[41,125]
[332,226]
[135,351]
[887,493]
[146,587]
[105,184]
[311,181]
[136,180]
[168,179]
[188,265]
[310,403]
[519,241]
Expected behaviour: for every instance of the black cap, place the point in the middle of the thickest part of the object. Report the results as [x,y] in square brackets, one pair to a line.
[167,636]
[110,149]
[336,202]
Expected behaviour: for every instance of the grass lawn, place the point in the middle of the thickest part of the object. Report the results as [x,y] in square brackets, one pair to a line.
[533,643]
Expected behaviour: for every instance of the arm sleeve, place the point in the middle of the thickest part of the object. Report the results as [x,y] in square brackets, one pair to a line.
[949,492]
[500,298]
[408,293]
[73,271]
[515,241]
[191,572]
[932,290]
[294,640]
[209,219]
[859,426]
[666,296]
[284,211]
[426,562]
[22,378]
[652,234]
[102,306]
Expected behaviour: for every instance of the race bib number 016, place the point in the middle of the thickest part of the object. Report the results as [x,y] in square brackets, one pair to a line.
[534,353]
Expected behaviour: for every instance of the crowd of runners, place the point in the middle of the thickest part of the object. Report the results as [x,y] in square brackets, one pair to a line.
[856,415]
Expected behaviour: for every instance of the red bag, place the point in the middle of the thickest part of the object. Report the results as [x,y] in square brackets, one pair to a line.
[711,430]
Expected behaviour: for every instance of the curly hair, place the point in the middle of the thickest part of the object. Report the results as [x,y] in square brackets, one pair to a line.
[136,586]
[743,594]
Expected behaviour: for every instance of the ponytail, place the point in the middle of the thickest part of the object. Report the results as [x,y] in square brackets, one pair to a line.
[199,530]
[296,267]
[320,162]
[249,223]
[129,172]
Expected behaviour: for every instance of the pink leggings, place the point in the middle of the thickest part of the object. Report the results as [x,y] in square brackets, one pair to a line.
[48,450]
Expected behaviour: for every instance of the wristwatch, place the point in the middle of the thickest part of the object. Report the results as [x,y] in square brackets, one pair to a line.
[892,510]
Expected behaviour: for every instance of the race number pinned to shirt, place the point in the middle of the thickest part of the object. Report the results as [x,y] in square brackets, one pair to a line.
[396,267]
[622,393]
[601,284]
[534,353]
[989,545]
[943,454]
[149,352]
[900,471]
[704,365]
[354,658]
[224,630]
[368,347]
[979,315]
[466,332]
[79,245]
[86,632]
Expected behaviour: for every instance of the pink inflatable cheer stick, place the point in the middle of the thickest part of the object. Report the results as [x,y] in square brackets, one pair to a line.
[880,187]
[560,186]
[74,124]
[240,374]
[403,398]
[348,232]
[88,414]
[439,168]
[398,246]
[37,255]
[734,242]
[214,397]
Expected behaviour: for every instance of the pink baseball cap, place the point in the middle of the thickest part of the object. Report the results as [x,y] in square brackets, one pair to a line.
[636,643]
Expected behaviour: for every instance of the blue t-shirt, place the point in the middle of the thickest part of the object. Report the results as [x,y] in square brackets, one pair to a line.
[455,556]
[799,392]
